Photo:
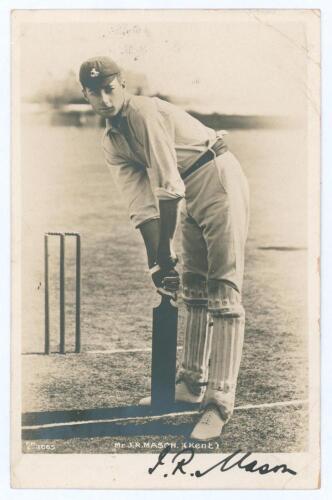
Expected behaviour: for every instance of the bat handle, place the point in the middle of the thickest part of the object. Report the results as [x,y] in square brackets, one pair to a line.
[168,299]
[167,296]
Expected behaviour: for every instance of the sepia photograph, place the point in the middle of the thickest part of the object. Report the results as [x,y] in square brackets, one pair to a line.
[165,242]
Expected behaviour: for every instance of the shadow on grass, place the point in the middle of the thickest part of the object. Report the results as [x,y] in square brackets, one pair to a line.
[102,429]
[283,248]
[92,422]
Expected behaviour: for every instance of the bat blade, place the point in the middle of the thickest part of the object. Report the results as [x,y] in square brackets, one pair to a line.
[164,343]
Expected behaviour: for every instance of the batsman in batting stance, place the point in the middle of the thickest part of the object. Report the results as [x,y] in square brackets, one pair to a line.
[160,155]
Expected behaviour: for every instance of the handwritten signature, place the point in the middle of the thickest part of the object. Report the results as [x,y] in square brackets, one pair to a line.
[237,459]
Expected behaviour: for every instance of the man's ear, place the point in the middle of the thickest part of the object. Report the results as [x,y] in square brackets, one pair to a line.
[123,83]
[85,95]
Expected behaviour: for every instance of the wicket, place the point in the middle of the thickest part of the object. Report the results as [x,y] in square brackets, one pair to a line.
[62,239]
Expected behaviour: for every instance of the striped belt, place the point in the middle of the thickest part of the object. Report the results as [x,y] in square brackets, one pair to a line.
[218,148]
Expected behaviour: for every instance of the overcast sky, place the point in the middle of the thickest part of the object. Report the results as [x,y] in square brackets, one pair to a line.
[240,64]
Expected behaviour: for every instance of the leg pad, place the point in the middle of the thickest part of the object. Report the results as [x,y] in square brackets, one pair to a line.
[226,347]
[196,348]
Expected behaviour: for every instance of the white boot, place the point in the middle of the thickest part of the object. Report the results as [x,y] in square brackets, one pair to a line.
[182,394]
[209,425]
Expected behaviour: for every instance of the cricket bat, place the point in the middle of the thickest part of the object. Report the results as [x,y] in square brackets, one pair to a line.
[164,345]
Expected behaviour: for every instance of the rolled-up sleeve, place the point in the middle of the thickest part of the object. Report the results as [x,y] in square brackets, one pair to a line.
[155,136]
[134,185]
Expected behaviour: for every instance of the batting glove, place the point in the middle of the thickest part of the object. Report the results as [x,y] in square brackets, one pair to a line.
[167,281]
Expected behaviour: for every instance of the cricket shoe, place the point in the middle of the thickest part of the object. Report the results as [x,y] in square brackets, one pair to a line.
[209,425]
[182,394]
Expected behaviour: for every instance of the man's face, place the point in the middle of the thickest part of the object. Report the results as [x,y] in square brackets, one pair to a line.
[108,100]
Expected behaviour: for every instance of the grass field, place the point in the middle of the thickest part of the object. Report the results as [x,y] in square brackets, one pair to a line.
[66,187]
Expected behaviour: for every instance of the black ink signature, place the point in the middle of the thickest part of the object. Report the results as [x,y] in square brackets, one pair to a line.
[237,459]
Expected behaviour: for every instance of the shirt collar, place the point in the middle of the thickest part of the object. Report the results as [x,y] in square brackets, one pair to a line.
[113,125]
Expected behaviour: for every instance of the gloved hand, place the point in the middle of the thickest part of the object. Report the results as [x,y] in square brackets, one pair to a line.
[167,262]
[166,280]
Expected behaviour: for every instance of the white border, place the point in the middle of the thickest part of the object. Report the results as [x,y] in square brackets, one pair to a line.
[327,241]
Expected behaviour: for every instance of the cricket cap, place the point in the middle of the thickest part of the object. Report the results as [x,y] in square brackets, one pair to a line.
[97,72]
